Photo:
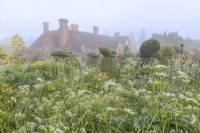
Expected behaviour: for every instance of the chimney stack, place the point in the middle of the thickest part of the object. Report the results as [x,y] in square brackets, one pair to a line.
[95,30]
[74,27]
[63,31]
[46,27]
[116,34]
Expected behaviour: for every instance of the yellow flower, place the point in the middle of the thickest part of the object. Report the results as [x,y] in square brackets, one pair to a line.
[37,63]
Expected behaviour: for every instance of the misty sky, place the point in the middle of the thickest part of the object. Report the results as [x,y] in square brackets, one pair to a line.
[26,16]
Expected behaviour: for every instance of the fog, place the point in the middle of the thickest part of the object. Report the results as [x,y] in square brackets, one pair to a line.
[139,18]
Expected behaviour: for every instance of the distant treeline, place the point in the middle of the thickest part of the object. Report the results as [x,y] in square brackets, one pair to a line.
[173,38]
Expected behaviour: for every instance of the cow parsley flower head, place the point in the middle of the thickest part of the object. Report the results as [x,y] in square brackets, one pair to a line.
[13,99]
[193,119]
[39,80]
[129,111]
[110,109]
[160,67]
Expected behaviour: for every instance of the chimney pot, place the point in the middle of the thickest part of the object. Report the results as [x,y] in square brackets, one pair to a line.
[95,30]
[63,32]
[116,34]
[46,26]
[74,27]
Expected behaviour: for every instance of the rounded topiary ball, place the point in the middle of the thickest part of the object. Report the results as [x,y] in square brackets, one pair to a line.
[149,48]
[167,51]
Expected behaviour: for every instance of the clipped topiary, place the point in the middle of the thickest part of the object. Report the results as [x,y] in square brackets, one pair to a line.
[108,63]
[105,51]
[167,51]
[93,59]
[110,67]
[149,48]
[93,55]
[66,56]
[62,53]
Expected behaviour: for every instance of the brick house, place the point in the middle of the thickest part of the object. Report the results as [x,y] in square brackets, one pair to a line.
[77,41]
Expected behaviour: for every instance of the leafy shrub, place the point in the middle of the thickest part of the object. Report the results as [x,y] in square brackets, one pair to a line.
[113,54]
[164,60]
[66,56]
[93,55]
[93,59]
[105,51]
[62,53]
[167,51]
[18,47]
[149,48]
[109,66]
[176,48]
[121,58]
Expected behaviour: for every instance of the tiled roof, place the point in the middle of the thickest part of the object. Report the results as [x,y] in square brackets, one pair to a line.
[77,39]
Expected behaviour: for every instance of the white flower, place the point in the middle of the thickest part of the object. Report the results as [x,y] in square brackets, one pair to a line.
[20,115]
[129,111]
[83,130]
[193,119]
[169,95]
[42,127]
[182,75]
[31,124]
[26,87]
[58,131]
[37,118]
[161,74]
[181,96]
[68,113]
[110,109]
[99,116]
[81,92]
[160,66]
[39,80]
[13,99]
[110,83]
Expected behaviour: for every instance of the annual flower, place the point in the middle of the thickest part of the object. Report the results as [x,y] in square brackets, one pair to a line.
[129,111]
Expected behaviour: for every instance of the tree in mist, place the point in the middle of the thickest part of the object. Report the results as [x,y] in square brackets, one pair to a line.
[3,54]
[172,38]
[18,50]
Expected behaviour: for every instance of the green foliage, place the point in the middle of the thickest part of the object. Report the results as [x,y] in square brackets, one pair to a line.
[54,95]
[105,51]
[172,38]
[93,60]
[93,55]
[110,67]
[164,60]
[62,53]
[3,54]
[177,49]
[113,53]
[66,56]
[18,50]
[167,51]
[149,48]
